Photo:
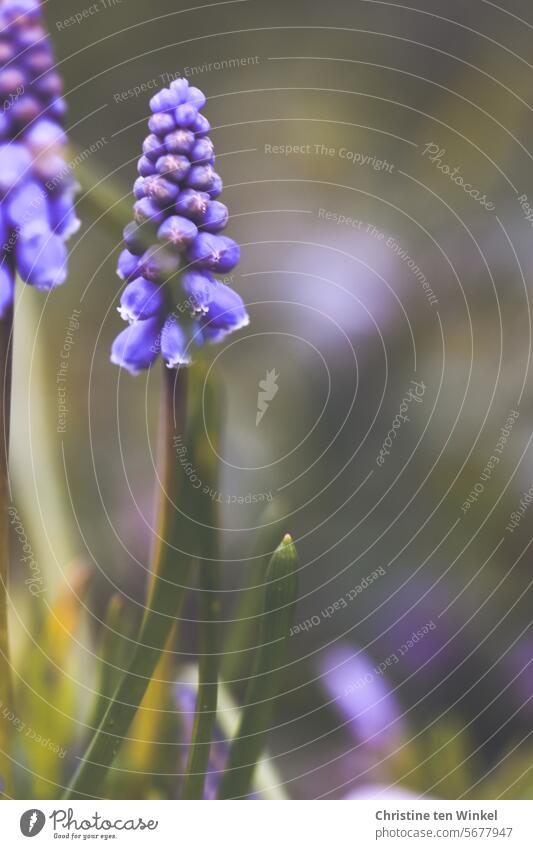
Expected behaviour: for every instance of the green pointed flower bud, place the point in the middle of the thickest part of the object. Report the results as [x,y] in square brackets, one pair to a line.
[280,598]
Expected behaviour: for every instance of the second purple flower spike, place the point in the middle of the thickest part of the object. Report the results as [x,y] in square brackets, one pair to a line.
[174,245]
[36,189]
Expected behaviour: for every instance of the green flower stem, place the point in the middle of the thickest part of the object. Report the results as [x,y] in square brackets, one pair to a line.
[206,700]
[208,671]
[280,598]
[169,575]
[6,692]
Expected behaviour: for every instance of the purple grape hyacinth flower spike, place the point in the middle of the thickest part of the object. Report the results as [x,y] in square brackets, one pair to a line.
[172,299]
[37,212]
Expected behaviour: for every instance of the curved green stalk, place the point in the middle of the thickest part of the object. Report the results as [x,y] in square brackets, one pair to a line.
[6,693]
[280,598]
[169,575]
[114,650]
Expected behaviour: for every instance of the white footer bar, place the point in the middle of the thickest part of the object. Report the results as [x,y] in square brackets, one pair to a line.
[276,825]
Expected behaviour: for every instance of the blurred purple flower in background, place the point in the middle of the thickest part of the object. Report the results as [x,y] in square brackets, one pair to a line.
[174,246]
[360,693]
[36,207]
[374,720]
